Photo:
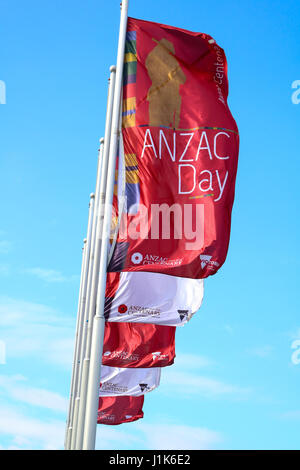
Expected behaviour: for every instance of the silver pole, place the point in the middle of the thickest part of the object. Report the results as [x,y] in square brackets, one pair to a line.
[81,313]
[87,295]
[96,262]
[90,425]
[80,316]
[71,400]
[92,253]
[79,392]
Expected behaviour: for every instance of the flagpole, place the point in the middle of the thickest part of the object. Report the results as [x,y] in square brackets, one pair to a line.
[90,425]
[94,275]
[71,400]
[87,295]
[80,391]
[80,316]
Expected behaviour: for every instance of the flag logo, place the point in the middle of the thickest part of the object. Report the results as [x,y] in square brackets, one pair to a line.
[122,308]
[207,262]
[143,387]
[155,355]
[205,259]
[183,314]
[137,258]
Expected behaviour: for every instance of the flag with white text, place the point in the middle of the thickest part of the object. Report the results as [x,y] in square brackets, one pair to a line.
[138,345]
[119,410]
[180,153]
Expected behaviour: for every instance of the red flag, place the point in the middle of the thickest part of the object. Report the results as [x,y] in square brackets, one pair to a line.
[118,410]
[138,345]
[180,153]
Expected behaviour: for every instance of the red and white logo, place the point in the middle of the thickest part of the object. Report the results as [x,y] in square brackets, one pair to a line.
[122,308]
[206,261]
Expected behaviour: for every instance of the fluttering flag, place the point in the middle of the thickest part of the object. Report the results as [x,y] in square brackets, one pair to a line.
[180,145]
[174,191]
[138,345]
[125,381]
[120,409]
[152,298]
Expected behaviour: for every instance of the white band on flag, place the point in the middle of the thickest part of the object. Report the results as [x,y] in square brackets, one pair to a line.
[133,382]
[155,298]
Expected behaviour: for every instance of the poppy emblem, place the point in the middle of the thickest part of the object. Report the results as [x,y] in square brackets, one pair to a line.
[122,308]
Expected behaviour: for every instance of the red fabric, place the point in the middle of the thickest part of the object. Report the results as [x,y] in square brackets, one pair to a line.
[181,94]
[118,410]
[138,345]
[112,284]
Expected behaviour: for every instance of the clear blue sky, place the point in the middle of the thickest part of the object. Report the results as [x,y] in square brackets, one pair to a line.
[234,384]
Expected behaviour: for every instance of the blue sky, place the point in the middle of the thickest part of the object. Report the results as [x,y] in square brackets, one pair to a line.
[234,384]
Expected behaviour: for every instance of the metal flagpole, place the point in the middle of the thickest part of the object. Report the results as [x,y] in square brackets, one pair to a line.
[90,425]
[83,334]
[71,400]
[83,346]
[96,262]
[80,316]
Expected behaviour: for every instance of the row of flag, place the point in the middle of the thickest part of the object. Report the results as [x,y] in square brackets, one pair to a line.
[171,215]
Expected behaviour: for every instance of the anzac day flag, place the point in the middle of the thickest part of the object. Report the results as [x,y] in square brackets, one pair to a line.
[180,153]
[124,381]
[138,345]
[118,410]
[156,298]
